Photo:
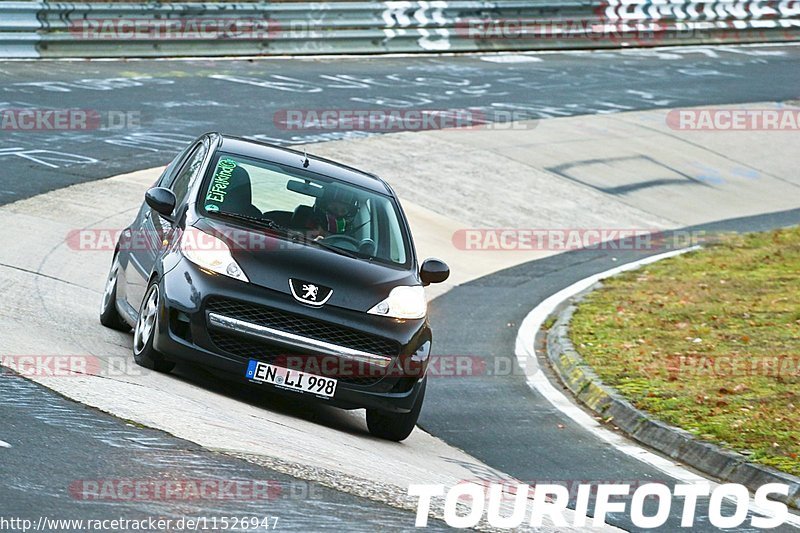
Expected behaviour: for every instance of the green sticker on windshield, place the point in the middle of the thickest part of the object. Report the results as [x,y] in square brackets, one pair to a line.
[219,183]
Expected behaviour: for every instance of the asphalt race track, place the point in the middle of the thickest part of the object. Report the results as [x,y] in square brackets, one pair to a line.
[496,419]
[174,101]
[58,434]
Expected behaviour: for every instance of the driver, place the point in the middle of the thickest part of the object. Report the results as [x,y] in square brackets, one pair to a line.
[336,210]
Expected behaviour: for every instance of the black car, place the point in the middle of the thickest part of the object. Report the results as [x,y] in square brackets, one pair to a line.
[287,270]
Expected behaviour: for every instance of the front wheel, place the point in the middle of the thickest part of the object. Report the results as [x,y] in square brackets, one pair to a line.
[143,335]
[109,316]
[395,426]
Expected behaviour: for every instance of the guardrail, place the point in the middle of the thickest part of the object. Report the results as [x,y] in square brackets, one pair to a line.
[54,29]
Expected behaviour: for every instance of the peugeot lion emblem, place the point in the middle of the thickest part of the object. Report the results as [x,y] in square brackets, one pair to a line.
[309,293]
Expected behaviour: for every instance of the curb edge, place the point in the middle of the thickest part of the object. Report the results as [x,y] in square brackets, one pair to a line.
[671,441]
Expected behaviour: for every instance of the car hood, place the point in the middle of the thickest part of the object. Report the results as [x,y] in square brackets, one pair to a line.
[270,261]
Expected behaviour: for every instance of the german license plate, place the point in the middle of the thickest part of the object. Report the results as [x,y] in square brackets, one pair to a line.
[295,380]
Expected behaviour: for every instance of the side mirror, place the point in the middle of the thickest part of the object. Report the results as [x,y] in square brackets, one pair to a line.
[433,271]
[161,200]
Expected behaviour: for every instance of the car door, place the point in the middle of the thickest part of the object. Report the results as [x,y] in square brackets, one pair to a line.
[152,229]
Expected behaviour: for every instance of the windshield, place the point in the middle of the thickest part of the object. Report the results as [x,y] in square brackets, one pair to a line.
[323,211]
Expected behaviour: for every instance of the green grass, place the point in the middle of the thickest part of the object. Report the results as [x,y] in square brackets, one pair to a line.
[708,341]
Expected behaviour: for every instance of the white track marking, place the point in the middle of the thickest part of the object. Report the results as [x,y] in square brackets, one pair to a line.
[526,357]
[394,55]
[510,58]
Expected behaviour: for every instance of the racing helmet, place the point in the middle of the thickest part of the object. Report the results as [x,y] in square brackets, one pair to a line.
[337,207]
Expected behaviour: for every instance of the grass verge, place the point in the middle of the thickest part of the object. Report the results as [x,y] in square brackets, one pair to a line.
[708,341]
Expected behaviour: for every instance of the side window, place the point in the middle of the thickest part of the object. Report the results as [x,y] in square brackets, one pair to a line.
[169,173]
[391,241]
[188,173]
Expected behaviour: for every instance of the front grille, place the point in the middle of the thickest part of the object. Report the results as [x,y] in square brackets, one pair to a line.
[307,327]
[250,348]
[245,348]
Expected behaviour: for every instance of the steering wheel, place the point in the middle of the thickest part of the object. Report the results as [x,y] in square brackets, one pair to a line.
[367,247]
[351,243]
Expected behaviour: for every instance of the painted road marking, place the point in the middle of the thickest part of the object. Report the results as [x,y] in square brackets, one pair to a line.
[526,357]
[510,58]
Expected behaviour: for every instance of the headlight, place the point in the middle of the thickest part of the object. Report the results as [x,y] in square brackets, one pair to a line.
[210,253]
[403,302]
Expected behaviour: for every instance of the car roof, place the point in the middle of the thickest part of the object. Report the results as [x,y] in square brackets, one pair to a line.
[294,159]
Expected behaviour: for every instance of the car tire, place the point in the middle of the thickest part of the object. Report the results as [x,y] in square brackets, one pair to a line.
[395,426]
[144,333]
[109,315]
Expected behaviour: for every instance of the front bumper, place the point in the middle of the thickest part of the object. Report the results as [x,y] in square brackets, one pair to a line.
[218,322]
[276,336]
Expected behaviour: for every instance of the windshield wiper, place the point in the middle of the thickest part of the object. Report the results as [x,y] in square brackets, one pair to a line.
[336,249]
[264,222]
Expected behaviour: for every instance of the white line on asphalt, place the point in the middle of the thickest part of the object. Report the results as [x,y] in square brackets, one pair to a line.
[526,357]
[396,55]
[4,444]
[510,58]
